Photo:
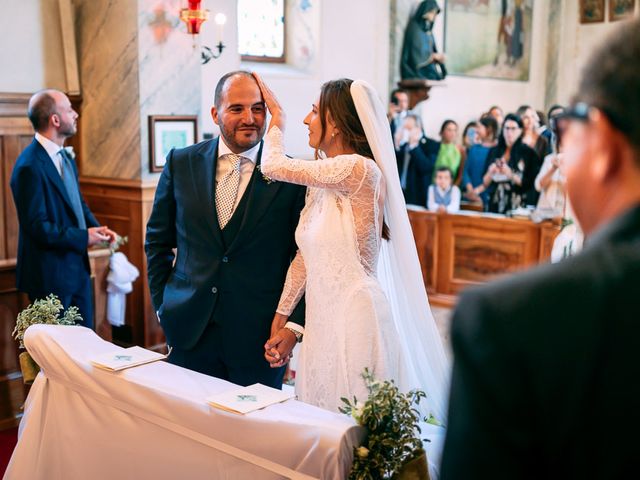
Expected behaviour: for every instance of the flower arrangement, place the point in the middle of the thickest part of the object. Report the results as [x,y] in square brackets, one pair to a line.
[392,443]
[44,311]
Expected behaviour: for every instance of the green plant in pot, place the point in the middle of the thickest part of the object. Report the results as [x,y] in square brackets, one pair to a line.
[44,311]
[392,448]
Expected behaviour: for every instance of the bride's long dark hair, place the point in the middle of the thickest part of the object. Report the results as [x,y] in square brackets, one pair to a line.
[335,99]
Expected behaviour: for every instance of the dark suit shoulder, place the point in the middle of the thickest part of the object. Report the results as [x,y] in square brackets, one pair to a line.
[28,160]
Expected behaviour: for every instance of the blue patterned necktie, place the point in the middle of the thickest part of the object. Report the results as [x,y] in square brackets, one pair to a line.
[71,185]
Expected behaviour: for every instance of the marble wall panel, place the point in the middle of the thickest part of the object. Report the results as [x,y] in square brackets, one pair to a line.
[107,42]
[169,68]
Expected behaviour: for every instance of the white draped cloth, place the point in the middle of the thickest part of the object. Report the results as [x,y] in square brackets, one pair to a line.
[153,421]
[122,274]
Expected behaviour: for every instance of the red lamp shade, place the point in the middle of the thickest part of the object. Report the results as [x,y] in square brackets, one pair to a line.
[194,16]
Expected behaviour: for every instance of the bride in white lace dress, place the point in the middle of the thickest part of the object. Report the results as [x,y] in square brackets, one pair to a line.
[349,319]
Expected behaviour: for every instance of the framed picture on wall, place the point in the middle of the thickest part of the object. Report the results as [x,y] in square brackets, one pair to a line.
[489,38]
[167,132]
[619,9]
[591,11]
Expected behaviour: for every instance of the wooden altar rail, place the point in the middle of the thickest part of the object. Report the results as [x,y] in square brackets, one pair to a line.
[457,251]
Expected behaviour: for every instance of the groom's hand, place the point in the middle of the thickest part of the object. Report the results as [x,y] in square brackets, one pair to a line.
[279,347]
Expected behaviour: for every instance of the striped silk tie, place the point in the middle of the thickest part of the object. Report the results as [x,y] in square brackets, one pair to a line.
[227,189]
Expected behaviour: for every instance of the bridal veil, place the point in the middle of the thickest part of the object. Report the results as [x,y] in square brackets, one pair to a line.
[426,364]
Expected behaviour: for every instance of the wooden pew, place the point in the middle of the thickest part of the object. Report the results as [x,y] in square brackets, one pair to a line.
[460,250]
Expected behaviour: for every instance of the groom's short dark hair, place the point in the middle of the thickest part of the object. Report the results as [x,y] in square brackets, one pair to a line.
[217,97]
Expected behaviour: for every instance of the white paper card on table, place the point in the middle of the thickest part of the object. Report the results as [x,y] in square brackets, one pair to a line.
[126,358]
[249,399]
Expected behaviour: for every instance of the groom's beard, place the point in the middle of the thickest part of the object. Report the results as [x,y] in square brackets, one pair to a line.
[243,136]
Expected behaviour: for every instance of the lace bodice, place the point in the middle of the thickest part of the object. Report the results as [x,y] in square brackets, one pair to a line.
[356,185]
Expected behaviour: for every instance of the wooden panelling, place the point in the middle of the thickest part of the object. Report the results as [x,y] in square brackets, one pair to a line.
[14,105]
[15,134]
[457,251]
[125,206]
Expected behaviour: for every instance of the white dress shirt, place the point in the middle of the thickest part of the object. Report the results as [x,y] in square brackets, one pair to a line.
[454,205]
[52,149]
[224,165]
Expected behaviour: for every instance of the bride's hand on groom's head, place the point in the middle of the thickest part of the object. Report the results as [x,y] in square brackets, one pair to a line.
[270,100]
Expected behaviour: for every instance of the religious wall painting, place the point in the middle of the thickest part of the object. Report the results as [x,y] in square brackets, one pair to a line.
[620,9]
[489,38]
[591,11]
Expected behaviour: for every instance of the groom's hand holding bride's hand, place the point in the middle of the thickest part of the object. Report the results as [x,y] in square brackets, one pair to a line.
[277,114]
[279,347]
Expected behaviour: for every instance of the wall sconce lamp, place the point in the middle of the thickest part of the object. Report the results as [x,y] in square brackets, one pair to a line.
[207,53]
[193,17]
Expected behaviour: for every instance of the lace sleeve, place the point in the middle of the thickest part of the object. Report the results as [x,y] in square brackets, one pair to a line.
[294,286]
[345,172]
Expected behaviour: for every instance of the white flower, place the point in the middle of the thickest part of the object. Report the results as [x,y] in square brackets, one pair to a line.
[357,411]
[70,152]
[363,452]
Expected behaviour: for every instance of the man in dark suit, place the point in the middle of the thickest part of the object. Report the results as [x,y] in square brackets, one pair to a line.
[416,156]
[545,379]
[234,234]
[56,226]
[398,109]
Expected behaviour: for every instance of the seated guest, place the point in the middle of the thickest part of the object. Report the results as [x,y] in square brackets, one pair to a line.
[451,154]
[474,166]
[531,135]
[416,157]
[511,169]
[545,376]
[444,196]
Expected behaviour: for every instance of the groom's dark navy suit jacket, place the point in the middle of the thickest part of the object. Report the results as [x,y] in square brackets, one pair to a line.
[232,279]
[52,250]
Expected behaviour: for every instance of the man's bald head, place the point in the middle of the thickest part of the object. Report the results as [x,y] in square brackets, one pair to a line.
[224,82]
[41,106]
[52,115]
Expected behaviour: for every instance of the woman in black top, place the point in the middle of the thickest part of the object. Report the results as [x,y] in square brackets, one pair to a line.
[511,169]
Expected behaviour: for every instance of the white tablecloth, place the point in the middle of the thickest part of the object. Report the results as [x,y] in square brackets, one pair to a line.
[152,421]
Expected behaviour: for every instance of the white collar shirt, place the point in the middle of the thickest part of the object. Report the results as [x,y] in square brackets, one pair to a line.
[224,165]
[52,150]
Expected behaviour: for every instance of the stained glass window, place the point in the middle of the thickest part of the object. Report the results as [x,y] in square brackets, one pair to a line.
[261,30]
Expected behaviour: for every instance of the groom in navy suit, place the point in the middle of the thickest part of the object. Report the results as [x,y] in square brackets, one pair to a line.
[56,226]
[219,243]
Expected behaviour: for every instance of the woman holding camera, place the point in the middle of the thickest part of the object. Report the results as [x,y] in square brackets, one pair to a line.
[511,170]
